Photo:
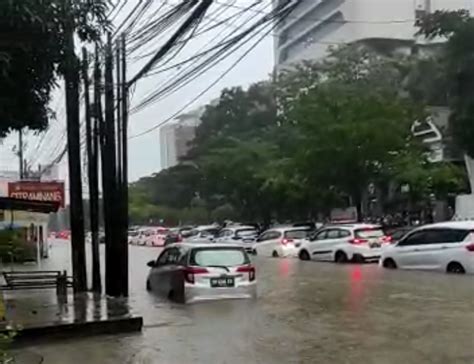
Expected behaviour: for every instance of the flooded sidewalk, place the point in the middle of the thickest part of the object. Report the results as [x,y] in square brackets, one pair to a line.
[42,314]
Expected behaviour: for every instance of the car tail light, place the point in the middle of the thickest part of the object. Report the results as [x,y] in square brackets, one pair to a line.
[250,269]
[470,247]
[358,241]
[286,241]
[190,272]
[387,239]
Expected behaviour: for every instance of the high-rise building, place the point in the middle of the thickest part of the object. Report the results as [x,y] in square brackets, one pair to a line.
[175,138]
[316,25]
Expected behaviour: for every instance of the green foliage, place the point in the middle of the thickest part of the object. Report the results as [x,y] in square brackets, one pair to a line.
[13,247]
[341,124]
[457,59]
[32,55]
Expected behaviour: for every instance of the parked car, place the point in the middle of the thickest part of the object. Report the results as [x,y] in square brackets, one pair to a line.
[343,243]
[446,246]
[204,234]
[238,234]
[176,235]
[189,272]
[280,241]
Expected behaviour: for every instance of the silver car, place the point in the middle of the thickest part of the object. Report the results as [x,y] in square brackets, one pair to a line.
[190,272]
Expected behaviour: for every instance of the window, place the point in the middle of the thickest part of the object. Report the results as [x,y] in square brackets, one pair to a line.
[437,236]
[163,258]
[333,234]
[416,238]
[174,256]
[246,233]
[269,235]
[296,234]
[224,233]
[344,233]
[369,233]
[227,257]
[434,236]
[319,236]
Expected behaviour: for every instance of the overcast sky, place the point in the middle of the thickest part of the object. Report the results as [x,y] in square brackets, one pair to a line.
[144,157]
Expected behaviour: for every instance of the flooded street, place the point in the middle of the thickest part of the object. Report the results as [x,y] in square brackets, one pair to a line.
[306,312]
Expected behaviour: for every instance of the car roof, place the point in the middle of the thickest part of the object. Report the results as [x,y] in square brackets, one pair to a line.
[466,225]
[240,227]
[288,228]
[206,227]
[352,226]
[187,246]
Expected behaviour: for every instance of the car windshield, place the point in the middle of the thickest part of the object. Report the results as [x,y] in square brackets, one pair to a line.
[369,233]
[228,257]
[296,234]
[246,232]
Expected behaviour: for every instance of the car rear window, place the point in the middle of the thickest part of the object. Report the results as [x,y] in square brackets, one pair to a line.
[296,234]
[228,257]
[369,233]
[246,232]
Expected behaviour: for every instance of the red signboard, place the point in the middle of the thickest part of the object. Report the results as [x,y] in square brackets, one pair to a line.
[37,191]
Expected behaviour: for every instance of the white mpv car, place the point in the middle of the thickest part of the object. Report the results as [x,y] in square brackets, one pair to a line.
[280,241]
[189,272]
[447,247]
[343,243]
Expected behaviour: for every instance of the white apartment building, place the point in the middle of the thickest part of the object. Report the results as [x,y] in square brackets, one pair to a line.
[175,137]
[316,25]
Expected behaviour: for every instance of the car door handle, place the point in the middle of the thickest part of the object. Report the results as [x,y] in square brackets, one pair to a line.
[417,250]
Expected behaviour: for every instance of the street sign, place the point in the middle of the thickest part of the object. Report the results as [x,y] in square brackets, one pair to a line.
[37,191]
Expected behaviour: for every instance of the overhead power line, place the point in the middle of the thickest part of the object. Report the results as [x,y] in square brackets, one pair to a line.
[203,92]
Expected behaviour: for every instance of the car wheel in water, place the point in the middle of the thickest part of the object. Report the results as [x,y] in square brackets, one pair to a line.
[304,255]
[357,258]
[340,257]
[389,264]
[275,254]
[455,268]
[148,286]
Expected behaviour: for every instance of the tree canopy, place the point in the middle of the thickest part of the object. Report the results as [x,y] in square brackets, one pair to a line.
[311,140]
[32,54]
[456,61]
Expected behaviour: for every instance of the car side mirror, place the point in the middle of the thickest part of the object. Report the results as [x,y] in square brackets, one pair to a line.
[151,264]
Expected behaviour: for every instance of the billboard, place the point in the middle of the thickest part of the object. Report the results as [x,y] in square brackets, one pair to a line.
[37,191]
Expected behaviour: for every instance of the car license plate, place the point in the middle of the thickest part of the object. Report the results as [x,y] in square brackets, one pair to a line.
[375,245]
[222,282]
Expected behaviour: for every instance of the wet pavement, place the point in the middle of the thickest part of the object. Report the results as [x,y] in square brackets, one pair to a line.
[306,312]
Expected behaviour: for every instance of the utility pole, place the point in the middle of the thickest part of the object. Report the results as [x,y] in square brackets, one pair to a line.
[112,248]
[71,77]
[93,179]
[20,152]
[124,178]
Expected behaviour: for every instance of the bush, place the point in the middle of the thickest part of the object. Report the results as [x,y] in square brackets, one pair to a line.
[14,248]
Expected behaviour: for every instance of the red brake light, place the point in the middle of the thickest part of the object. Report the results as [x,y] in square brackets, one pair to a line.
[387,239]
[250,269]
[190,272]
[470,247]
[286,241]
[357,241]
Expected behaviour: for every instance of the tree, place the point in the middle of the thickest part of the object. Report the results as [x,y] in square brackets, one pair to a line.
[32,55]
[457,59]
[353,120]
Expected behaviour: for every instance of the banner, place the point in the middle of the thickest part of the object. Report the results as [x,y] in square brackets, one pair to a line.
[37,191]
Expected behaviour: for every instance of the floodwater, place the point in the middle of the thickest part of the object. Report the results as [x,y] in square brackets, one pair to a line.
[306,312]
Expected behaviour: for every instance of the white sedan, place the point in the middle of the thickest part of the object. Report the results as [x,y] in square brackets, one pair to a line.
[446,247]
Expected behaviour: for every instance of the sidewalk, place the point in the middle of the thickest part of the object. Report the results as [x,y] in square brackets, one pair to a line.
[41,314]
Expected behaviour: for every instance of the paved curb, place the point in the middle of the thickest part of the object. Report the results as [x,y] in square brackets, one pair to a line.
[78,329]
